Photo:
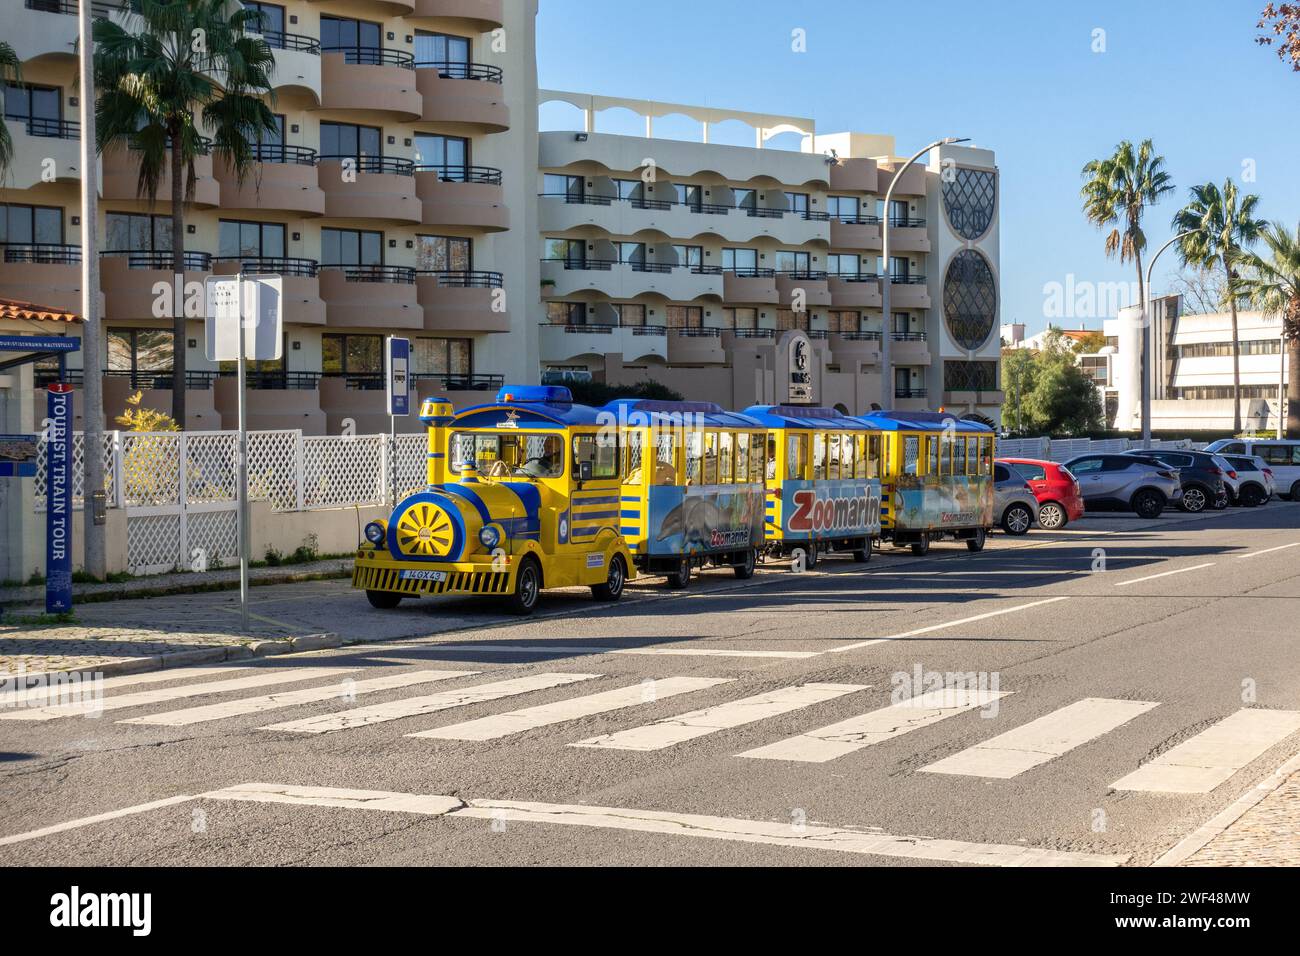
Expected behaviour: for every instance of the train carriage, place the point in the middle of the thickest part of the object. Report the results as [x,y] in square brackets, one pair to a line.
[822,481]
[693,488]
[522,494]
[938,478]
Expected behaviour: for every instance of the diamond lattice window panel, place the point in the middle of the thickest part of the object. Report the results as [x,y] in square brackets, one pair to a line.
[273,468]
[153,542]
[970,299]
[215,534]
[343,470]
[970,200]
[210,467]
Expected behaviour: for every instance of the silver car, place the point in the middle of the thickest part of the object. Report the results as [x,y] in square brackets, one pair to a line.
[1014,503]
[1127,482]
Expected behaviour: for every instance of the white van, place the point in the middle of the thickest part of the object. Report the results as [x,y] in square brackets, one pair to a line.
[1282,455]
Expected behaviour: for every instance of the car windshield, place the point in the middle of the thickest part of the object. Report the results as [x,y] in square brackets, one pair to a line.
[508,454]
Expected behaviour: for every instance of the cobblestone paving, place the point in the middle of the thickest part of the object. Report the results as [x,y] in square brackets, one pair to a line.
[36,648]
[1268,834]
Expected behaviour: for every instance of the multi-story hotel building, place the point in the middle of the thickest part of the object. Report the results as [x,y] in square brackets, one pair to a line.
[748,274]
[396,198]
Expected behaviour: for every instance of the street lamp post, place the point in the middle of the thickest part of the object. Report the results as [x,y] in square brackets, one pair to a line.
[1146,342]
[886,332]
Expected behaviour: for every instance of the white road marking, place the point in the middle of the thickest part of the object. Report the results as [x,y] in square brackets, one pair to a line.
[255,705]
[1037,742]
[720,652]
[563,649]
[1202,763]
[946,624]
[697,723]
[87,821]
[829,743]
[264,676]
[1165,574]
[52,681]
[694,826]
[528,718]
[1280,547]
[416,706]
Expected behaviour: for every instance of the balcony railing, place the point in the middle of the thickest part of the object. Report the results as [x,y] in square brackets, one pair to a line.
[804,274]
[162,259]
[587,265]
[859,336]
[761,212]
[698,332]
[278,40]
[701,270]
[902,222]
[462,279]
[583,200]
[749,272]
[373,56]
[204,145]
[488,175]
[753,333]
[388,165]
[816,216]
[648,329]
[462,71]
[818,333]
[52,128]
[908,336]
[272,265]
[659,267]
[639,202]
[909,392]
[283,153]
[99,8]
[907,280]
[857,220]
[43,253]
[399,275]
[162,378]
[855,276]
[462,381]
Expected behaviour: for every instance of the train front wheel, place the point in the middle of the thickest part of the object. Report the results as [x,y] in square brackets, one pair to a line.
[612,589]
[383,600]
[528,586]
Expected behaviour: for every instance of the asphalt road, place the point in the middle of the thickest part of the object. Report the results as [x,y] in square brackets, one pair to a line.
[1110,688]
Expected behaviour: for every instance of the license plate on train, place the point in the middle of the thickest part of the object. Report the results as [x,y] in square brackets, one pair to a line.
[424,575]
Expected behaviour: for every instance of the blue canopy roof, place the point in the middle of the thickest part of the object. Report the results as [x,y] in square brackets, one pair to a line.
[805,416]
[653,412]
[529,406]
[920,421]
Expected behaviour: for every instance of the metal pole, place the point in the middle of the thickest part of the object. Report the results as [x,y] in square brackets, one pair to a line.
[92,384]
[886,320]
[392,457]
[241,478]
[1146,341]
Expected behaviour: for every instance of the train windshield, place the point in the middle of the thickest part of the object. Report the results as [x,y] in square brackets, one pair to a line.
[508,454]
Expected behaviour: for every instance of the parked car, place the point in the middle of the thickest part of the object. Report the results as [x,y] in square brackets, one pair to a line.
[1054,488]
[1282,455]
[1201,474]
[1126,483]
[1014,504]
[1251,481]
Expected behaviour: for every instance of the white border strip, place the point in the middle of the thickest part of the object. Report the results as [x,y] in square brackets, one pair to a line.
[946,624]
[1165,574]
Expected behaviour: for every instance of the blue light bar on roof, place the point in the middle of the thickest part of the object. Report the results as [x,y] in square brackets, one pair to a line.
[535,395]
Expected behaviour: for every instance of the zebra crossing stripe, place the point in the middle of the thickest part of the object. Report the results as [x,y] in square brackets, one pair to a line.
[1202,763]
[339,690]
[847,736]
[1050,736]
[416,706]
[675,730]
[262,677]
[517,721]
[48,684]
[561,650]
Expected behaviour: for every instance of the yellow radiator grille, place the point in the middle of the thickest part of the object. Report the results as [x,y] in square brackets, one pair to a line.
[459,582]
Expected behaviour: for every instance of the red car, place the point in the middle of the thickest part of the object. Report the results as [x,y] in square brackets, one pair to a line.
[1057,491]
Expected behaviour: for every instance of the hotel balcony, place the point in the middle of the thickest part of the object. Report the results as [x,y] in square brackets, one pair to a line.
[462,196]
[627,280]
[850,291]
[482,15]
[860,233]
[973,397]
[38,142]
[909,348]
[750,286]
[369,79]
[47,28]
[297,62]
[121,179]
[300,284]
[851,348]
[44,274]
[911,183]
[854,175]
[282,178]
[369,187]
[370,297]
[562,343]
[272,401]
[468,96]
[155,386]
[462,301]
[908,235]
[908,292]
[696,347]
[812,284]
[127,279]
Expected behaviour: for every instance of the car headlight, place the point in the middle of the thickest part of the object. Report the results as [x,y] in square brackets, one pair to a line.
[490,536]
[375,533]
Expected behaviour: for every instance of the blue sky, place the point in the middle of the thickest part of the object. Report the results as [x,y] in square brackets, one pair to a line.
[1017,77]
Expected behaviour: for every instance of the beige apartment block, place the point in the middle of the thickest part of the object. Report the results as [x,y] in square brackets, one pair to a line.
[398,199]
[726,272]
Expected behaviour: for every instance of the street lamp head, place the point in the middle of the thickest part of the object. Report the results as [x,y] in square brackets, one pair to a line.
[954,139]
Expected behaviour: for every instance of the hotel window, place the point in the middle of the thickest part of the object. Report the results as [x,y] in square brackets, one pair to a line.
[898,211]
[745,198]
[137,232]
[689,195]
[444,254]
[740,261]
[844,321]
[685,317]
[628,188]
[352,354]
[254,240]
[566,313]
[40,108]
[789,261]
[570,187]
[787,319]
[692,256]
[740,318]
[838,264]
[448,155]
[351,247]
[631,252]
[347,140]
[630,313]
[572,252]
[843,208]
[31,224]
[360,40]
[902,323]
[437,356]
[798,203]
[271,26]
[448,54]
[139,350]
[898,266]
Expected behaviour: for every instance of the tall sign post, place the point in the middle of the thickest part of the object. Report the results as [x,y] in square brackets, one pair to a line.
[243,320]
[397,364]
[58,499]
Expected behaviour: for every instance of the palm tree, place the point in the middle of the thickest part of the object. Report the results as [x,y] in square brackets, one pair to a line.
[175,69]
[1272,285]
[1217,224]
[1115,193]
[11,71]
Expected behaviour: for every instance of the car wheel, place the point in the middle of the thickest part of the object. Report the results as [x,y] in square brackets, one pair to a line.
[528,587]
[612,589]
[681,577]
[1295,491]
[745,570]
[1195,499]
[1052,516]
[1148,504]
[1017,519]
[1251,496]
[921,546]
[977,543]
[862,555]
[383,600]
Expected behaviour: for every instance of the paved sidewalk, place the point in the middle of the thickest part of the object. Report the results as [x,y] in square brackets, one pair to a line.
[1267,834]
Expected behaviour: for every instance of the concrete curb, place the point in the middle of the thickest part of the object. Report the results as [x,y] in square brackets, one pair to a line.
[205,655]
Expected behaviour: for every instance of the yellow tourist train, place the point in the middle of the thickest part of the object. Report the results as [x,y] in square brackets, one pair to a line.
[534,491]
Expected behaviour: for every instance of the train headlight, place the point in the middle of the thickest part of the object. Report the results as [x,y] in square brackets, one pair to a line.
[375,533]
[490,536]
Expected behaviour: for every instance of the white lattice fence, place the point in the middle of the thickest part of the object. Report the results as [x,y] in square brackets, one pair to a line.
[275,468]
[344,470]
[78,469]
[410,463]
